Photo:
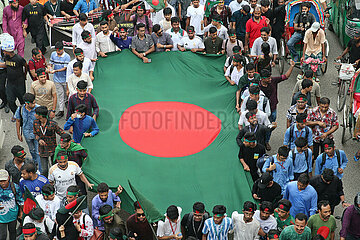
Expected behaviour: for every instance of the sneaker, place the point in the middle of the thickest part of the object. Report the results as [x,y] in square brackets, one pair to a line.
[267,147]
[60,114]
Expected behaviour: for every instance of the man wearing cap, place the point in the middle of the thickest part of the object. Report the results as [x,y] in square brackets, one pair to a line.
[140,17]
[45,131]
[111,219]
[44,91]
[324,122]
[300,107]
[36,62]
[191,42]
[162,41]
[59,60]
[138,224]
[329,187]
[298,231]
[103,42]
[314,44]
[217,227]
[303,197]
[265,218]
[62,174]
[14,165]
[12,24]
[193,223]
[171,227]
[238,21]
[306,87]
[25,116]
[88,46]
[351,221]
[236,70]
[265,37]
[48,201]
[76,77]
[282,214]
[30,179]
[30,232]
[315,91]
[298,130]
[250,151]
[323,219]
[142,44]
[11,204]
[281,167]
[216,22]
[265,189]
[88,67]
[41,221]
[213,44]
[246,227]
[332,158]
[122,42]
[83,97]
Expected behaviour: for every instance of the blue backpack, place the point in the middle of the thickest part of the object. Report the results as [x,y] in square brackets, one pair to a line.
[261,161]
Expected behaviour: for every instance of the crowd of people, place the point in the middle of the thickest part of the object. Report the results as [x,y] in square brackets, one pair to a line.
[295,191]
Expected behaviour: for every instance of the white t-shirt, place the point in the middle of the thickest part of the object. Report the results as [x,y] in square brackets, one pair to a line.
[176,37]
[246,93]
[49,223]
[235,74]
[260,105]
[188,43]
[73,80]
[156,17]
[260,115]
[266,225]
[196,15]
[87,67]
[165,229]
[235,6]
[89,50]
[242,230]
[50,207]
[221,32]
[64,178]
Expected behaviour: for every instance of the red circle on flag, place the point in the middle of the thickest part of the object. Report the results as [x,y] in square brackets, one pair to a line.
[168,129]
[155,2]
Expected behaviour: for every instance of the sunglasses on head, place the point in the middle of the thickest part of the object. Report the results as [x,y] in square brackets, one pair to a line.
[140,214]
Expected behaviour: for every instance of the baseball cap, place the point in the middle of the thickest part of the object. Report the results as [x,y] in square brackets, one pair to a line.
[4,175]
[264,180]
[315,27]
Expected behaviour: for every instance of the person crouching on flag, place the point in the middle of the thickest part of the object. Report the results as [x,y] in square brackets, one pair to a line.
[30,232]
[171,228]
[217,227]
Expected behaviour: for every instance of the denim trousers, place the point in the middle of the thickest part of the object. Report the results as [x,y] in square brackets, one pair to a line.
[33,145]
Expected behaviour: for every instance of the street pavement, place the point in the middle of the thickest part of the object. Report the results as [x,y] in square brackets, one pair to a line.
[351,177]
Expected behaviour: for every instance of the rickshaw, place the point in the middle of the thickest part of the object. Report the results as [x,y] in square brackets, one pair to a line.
[292,9]
[344,18]
[351,110]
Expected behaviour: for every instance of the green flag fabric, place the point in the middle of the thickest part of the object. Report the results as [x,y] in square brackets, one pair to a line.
[151,213]
[29,201]
[156,4]
[79,203]
[208,5]
[169,127]
[72,148]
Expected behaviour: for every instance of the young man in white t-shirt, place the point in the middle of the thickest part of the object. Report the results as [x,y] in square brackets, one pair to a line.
[245,226]
[266,220]
[195,17]
[236,70]
[48,201]
[171,228]
[191,42]
[62,174]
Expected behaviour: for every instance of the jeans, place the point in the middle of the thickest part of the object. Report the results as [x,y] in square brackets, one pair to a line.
[14,92]
[61,94]
[2,86]
[317,149]
[272,118]
[11,226]
[296,37]
[45,165]
[33,145]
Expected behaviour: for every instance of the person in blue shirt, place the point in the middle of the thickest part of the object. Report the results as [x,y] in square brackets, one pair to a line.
[122,42]
[298,130]
[59,60]
[281,167]
[301,157]
[82,124]
[336,160]
[217,227]
[86,6]
[302,196]
[31,179]
[10,206]
[238,21]
[25,116]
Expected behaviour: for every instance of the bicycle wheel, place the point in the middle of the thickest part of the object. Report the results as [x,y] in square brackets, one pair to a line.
[341,95]
[344,124]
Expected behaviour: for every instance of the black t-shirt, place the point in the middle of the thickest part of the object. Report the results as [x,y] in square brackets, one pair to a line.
[68,7]
[271,194]
[192,226]
[330,192]
[251,155]
[354,53]
[15,69]
[35,16]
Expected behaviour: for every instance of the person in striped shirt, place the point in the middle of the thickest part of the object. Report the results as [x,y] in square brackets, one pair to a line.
[217,227]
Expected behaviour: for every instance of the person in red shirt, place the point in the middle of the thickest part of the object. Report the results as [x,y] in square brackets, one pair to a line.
[253,26]
[37,61]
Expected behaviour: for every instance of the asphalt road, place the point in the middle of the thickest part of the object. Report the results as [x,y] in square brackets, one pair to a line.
[351,176]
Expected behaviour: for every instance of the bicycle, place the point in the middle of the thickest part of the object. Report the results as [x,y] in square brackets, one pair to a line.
[346,72]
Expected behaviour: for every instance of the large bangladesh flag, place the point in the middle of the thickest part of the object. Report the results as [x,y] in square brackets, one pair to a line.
[169,127]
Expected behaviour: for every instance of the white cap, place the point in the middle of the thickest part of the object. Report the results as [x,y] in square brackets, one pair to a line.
[315,27]
[4,175]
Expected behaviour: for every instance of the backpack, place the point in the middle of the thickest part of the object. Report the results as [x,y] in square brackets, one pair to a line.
[226,42]
[306,157]
[146,21]
[324,158]
[292,133]
[261,161]
[21,117]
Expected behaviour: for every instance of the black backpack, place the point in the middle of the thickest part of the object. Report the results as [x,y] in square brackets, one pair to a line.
[226,42]
[292,133]
[146,21]
[306,157]
[324,158]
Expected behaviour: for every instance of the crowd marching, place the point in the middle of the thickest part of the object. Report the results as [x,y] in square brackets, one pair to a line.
[295,190]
